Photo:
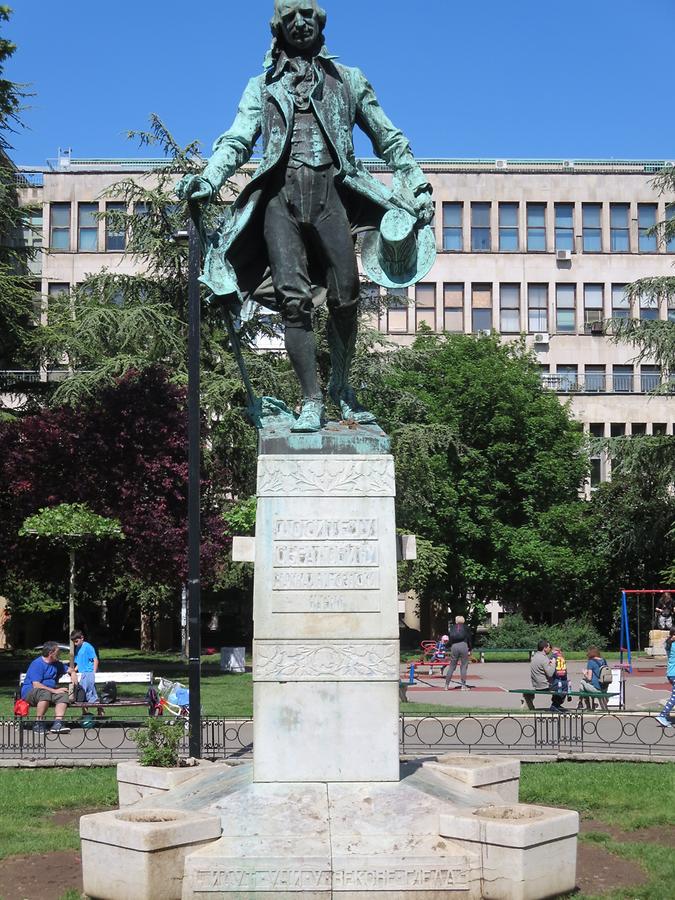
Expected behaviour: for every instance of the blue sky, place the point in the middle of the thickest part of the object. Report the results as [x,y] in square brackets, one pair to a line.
[523,78]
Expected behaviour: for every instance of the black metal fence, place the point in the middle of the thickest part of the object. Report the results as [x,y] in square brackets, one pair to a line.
[540,734]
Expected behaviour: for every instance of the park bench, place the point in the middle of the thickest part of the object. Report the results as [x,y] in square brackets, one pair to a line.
[550,693]
[482,651]
[103,677]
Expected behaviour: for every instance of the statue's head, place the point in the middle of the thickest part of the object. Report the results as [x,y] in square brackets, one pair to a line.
[298,24]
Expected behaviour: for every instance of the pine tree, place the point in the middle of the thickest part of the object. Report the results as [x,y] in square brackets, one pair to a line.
[16,293]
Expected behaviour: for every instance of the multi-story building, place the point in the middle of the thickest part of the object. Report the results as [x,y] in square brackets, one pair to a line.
[542,248]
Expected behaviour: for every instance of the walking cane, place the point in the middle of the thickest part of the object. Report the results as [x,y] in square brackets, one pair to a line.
[235,343]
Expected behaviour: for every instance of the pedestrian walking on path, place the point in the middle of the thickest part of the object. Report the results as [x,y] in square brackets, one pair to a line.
[460,642]
[663,718]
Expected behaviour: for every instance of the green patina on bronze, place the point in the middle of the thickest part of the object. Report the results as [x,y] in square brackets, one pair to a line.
[294,221]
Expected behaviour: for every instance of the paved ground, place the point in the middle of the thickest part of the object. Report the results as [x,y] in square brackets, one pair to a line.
[646,687]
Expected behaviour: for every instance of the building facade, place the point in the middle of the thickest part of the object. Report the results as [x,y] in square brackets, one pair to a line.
[540,248]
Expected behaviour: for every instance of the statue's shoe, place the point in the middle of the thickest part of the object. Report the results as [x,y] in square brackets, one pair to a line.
[310,418]
[351,409]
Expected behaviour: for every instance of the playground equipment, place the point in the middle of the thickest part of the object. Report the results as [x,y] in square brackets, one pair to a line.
[624,631]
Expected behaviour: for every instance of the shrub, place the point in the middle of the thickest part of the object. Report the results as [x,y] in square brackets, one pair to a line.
[515,631]
[159,743]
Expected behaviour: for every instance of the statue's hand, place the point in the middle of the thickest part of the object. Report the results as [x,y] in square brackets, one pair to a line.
[194,188]
[424,208]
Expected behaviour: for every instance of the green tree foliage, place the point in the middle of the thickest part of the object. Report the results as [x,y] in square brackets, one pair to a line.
[633,521]
[488,470]
[16,294]
[654,342]
[71,524]
[516,632]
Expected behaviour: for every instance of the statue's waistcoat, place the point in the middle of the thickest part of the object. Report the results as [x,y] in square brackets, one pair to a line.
[308,144]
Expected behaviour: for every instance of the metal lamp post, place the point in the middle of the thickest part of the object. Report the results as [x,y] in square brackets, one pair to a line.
[194,466]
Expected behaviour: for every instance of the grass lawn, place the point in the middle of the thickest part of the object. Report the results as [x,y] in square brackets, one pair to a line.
[623,794]
[30,796]
[626,796]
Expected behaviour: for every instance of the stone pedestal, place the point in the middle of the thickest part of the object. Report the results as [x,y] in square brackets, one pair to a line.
[325,651]
[657,642]
[326,811]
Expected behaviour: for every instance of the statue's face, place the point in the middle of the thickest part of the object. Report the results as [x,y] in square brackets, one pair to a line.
[299,23]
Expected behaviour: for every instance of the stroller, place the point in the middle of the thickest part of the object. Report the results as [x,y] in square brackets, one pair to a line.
[172,697]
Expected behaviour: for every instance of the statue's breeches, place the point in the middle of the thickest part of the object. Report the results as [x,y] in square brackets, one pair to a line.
[304,216]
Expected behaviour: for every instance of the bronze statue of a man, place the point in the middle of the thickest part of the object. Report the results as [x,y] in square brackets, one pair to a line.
[296,219]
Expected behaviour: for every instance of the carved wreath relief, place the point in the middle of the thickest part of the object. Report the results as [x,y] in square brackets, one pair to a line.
[319,476]
[332,659]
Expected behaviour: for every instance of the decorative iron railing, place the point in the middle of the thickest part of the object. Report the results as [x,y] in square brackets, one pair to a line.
[540,734]
[572,383]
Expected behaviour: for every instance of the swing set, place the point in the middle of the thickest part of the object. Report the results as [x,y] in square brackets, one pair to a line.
[624,634]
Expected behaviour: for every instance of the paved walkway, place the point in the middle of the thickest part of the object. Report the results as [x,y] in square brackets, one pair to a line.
[646,687]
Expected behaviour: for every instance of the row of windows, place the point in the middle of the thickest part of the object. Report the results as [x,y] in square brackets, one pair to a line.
[590,239]
[622,237]
[87,238]
[621,429]
[536,307]
[594,379]
[601,463]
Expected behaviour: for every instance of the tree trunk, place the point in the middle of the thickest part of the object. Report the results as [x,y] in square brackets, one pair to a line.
[147,630]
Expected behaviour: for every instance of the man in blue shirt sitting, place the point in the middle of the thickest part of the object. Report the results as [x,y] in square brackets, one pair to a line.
[86,663]
[41,687]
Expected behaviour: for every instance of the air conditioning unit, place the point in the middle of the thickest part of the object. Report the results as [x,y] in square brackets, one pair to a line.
[484,332]
[563,255]
[501,163]
[541,337]
[597,327]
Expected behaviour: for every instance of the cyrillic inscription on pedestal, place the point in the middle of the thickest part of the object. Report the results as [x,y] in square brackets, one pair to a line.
[326,580]
[398,875]
[261,878]
[301,554]
[328,602]
[325,529]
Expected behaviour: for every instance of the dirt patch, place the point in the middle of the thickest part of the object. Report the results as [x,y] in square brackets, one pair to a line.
[664,835]
[599,871]
[44,876]
[72,816]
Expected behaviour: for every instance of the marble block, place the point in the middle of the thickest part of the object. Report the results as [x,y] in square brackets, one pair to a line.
[325,731]
[517,845]
[483,772]
[135,782]
[140,854]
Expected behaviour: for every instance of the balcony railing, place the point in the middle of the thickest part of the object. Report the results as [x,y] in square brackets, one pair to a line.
[29,179]
[11,378]
[606,384]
